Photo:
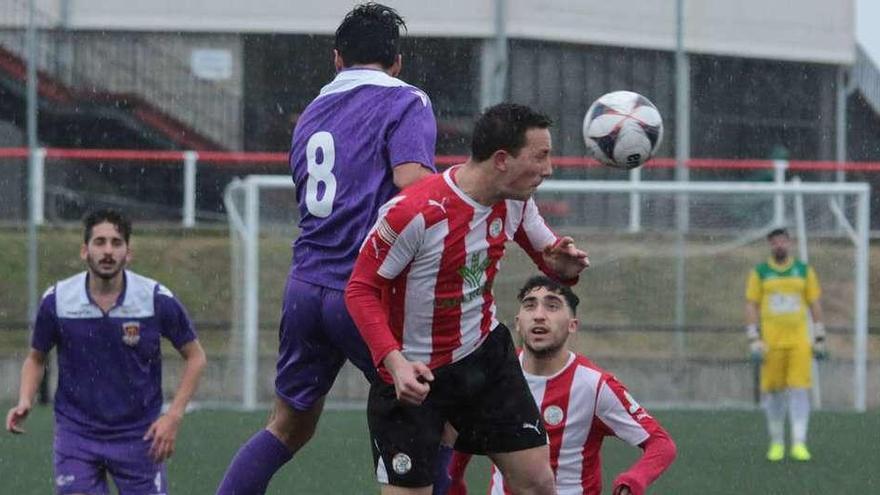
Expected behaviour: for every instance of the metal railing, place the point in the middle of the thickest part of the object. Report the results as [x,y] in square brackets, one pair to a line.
[190,162]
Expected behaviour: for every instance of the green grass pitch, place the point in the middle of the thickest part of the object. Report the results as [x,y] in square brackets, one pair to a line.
[720,452]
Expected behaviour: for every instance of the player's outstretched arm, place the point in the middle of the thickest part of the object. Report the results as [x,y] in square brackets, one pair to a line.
[658,453]
[626,419]
[163,431]
[557,257]
[565,259]
[31,374]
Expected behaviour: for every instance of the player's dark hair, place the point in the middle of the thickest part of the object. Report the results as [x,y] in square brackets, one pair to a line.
[115,217]
[775,232]
[551,285]
[369,34]
[503,127]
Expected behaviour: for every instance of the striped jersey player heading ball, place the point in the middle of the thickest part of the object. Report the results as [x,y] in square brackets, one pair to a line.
[421,295]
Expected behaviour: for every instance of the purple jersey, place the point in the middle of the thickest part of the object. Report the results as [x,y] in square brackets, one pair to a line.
[109,365]
[345,146]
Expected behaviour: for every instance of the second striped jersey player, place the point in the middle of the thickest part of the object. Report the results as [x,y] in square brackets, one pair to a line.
[580,403]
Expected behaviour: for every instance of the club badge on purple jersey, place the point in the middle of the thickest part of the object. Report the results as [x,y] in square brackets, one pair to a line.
[131,333]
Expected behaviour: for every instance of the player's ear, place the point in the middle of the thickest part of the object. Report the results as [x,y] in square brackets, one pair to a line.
[499,160]
[396,66]
[337,60]
[84,251]
[573,326]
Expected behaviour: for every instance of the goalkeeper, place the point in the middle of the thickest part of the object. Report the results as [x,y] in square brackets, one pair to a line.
[778,294]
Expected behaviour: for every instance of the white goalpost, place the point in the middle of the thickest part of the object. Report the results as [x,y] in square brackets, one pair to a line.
[244,231]
[728,220]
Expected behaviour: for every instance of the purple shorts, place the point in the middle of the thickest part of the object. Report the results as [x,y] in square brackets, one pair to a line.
[317,335]
[83,463]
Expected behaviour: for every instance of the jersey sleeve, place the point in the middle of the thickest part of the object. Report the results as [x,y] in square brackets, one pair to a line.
[45,334]
[393,241]
[533,235]
[386,252]
[659,453]
[753,287]
[624,418]
[412,136]
[176,325]
[812,291]
[621,414]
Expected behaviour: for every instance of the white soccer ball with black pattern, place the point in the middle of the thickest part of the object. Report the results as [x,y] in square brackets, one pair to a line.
[622,129]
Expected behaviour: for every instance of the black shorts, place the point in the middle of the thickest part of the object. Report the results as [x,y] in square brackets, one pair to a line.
[484,396]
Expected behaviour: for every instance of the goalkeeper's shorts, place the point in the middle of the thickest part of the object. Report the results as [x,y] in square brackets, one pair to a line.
[787,367]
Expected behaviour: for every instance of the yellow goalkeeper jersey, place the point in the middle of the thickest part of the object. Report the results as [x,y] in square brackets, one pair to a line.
[783,292]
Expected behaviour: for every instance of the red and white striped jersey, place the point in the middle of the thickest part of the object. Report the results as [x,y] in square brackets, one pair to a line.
[581,405]
[434,253]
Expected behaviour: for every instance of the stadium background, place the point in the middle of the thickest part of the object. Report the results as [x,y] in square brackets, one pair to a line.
[766,82]
[764,79]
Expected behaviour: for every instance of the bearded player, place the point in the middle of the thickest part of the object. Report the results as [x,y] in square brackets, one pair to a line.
[580,403]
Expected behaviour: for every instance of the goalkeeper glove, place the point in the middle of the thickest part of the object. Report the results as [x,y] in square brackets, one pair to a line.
[820,349]
[756,351]
[756,346]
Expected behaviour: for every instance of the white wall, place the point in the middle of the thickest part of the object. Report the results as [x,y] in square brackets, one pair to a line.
[817,30]
[810,30]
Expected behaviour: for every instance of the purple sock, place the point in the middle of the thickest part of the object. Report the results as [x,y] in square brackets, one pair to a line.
[254,465]
[442,480]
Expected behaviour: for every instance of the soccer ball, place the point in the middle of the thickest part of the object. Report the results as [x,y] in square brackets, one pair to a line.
[622,129]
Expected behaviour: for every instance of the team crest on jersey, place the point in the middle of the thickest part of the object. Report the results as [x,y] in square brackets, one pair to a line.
[553,415]
[495,227]
[401,463]
[131,333]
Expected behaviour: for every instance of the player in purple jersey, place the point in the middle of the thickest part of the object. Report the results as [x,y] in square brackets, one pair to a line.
[363,138]
[107,323]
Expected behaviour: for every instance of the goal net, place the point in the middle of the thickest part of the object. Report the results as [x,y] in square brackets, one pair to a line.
[662,304]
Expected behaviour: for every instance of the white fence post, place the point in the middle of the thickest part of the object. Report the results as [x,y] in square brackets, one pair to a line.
[779,168]
[38,199]
[635,202]
[190,161]
[860,344]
